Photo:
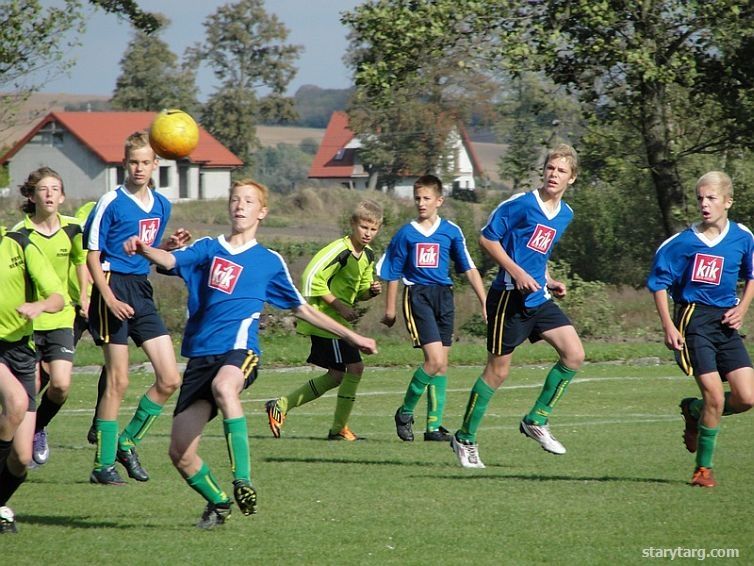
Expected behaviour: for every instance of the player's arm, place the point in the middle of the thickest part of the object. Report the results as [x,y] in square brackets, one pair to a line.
[475,280]
[176,240]
[734,318]
[320,320]
[371,291]
[84,279]
[673,338]
[48,286]
[347,312]
[524,282]
[120,310]
[558,288]
[157,256]
[391,294]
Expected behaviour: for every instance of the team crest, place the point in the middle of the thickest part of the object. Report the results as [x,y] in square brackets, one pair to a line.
[708,269]
[224,275]
[428,255]
[542,238]
[148,230]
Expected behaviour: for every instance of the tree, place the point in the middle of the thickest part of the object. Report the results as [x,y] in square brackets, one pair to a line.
[152,79]
[246,50]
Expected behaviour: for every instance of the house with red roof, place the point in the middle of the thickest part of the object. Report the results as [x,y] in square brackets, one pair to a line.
[337,160]
[86,148]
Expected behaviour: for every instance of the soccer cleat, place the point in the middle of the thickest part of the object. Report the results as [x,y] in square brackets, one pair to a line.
[691,430]
[7,521]
[214,515]
[442,434]
[106,476]
[403,422]
[130,460]
[246,496]
[466,452]
[703,477]
[40,451]
[91,436]
[344,433]
[542,434]
[275,417]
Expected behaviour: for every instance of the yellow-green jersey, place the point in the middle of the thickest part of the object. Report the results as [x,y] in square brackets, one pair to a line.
[63,249]
[25,276]
[335,270]
[74,288]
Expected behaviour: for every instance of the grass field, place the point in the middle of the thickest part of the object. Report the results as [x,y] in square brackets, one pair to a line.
[620,490]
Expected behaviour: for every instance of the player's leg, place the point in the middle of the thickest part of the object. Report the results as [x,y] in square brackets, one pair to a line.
[345,401]
[713,397]
[91,435]
[14,472]
[52,400]
[436,365]
[184,445]
[740,398]
[14,402]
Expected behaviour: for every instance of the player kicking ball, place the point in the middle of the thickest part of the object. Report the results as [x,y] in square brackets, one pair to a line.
[229,279]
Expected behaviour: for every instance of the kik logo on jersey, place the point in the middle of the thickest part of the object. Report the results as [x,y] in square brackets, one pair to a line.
[542,238]
[707,269]
[224,275]
[428,255]
[148,230]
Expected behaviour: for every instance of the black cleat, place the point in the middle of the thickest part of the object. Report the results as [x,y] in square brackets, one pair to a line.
[245,496]
[442,434]
[403,422]
[214,515]
[91,436]
[106,476]
[130,460]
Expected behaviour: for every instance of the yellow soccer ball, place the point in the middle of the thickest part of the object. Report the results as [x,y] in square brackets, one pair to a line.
[173,134]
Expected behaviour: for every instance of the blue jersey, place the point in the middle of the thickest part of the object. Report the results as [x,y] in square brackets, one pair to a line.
[227,289]
[528,232]
[118,216]
[422,257]
[697,270]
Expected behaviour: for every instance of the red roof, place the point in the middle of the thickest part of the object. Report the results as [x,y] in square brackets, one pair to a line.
[337,135]
[104,133]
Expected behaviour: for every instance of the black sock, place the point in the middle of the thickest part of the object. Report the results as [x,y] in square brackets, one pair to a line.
[8,485]
[45,412]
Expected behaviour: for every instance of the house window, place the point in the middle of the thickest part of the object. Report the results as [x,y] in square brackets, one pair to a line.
[50,135]
[339,154]
[164,177]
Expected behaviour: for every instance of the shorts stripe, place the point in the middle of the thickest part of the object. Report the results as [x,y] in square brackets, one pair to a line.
[498,322]
[409,316]
[683,324]
[249,364]
[104,326]
[336,351]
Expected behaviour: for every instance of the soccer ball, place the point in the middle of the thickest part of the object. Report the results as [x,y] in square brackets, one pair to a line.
[173,134]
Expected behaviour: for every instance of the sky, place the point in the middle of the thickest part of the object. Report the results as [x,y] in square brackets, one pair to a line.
[313,24]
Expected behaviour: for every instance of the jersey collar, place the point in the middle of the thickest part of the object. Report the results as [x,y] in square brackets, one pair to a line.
[707,241]
[235,250]
[544,209]
[145,206]
[422,231]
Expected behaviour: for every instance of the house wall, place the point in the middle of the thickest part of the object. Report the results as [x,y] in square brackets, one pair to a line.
[215,182]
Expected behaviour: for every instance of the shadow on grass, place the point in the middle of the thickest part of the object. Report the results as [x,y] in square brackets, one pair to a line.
[312,460]
[76,522]
[544,478]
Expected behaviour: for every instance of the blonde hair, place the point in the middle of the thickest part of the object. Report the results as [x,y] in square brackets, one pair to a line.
[367,209]
[719,180]
[137,140]
[566,152]
[264,192]
[30,185]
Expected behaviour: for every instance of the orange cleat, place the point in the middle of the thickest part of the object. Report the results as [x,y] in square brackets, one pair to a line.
[344,434]
[275,416]
[703,477]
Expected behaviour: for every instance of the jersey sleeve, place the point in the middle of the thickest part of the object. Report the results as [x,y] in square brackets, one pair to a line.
[166,209]
[78,253]
[390,266]
[367,274]
[747,262]
[499,222]
[459,252]
[188,259]
[661,276]
[322,268]
[281,292]
[99,222]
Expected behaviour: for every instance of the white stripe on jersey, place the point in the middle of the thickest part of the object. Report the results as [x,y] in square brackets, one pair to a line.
[104,201]
[325,260]
[288,275]
[242,336]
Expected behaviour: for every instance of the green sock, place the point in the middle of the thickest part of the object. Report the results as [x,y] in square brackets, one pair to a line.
[205,484]
[346,399]
[107,440]
[309,391]
[555,385]
[416,387]
[706,445]
[479,398]
[436,401]
[145,415]
[237,437]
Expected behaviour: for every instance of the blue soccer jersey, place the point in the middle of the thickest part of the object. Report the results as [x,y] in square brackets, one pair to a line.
[697,270]
[422,257]
[528,232]
[118,216]
[227,289]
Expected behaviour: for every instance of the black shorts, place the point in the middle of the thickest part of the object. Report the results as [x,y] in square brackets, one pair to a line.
[332,353]
[145,324]
[200,372]
[708,345]
[54,344]
[21,360]
[510,323]
[80,325]
[429,314]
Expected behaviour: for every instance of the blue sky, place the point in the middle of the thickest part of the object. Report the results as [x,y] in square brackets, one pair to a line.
[314,24]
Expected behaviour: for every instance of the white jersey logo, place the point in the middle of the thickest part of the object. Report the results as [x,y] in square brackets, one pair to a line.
[148,230]
[224,275]
[542,238]
[708,269]
[428,255]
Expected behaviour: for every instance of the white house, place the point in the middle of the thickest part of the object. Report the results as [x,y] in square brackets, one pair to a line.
[86,148]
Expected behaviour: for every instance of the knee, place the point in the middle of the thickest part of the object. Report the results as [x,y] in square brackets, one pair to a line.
[355,369]
[433,368]
[178,456]
[15,410]
[19,459]
[58,392]
[573,359]
[224,392]
[167,385]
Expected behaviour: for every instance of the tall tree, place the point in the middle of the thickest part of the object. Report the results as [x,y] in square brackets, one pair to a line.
[151,77]
[245,49]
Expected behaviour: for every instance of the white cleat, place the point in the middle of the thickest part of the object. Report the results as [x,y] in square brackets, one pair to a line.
[466,452]
[542,434]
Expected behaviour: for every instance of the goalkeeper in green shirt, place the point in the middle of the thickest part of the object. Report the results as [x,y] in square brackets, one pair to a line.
[337,277]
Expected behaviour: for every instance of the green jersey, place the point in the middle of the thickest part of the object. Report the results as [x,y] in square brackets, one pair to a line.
[335,270]
[63,249]
[25,275]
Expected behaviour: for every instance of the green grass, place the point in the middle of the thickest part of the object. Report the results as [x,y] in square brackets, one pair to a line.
[621,488]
